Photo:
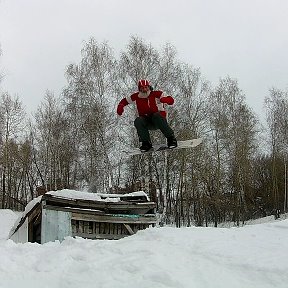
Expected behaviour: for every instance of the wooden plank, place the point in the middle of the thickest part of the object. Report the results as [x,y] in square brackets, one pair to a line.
[97,228]
[35,210]
[102,228]
[71,209]
[105,230]
[119,228]
[114,218]
[127,226]
[81,203]
[91,211]
[115,228]
[127,199]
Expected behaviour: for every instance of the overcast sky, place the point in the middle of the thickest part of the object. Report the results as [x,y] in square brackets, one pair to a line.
[245,39]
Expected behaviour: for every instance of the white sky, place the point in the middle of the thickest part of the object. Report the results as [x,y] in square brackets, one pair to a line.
[245,39]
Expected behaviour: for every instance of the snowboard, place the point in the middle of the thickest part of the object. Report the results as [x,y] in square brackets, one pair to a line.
[162,147]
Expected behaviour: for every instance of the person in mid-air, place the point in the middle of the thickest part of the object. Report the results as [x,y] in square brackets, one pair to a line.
[152,115]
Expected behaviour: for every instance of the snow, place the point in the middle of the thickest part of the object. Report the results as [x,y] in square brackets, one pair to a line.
[83,195]
[7,220]
[250,256]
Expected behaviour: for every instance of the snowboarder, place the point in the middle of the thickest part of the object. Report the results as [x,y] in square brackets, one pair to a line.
[152,114]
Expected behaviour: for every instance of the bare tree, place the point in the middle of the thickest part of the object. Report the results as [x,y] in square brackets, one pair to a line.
[277,119]
[88,104]
[12,124]
[54,150]
[189,118]
[234,134]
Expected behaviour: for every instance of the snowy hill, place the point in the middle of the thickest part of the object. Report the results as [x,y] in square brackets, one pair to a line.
[251,256]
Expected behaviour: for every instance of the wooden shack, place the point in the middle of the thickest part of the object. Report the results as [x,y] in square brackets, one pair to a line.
[58,214]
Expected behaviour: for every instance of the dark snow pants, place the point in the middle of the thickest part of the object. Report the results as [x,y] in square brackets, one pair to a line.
[152,122]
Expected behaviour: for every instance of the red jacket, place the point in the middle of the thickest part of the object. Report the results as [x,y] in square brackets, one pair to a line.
[146,105]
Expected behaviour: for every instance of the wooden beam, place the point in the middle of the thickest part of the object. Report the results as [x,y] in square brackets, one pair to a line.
[108,218]
[101,205]
[129,229]
[34,210]
[74,209]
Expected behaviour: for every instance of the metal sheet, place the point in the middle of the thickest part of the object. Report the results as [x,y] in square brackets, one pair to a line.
[56,225]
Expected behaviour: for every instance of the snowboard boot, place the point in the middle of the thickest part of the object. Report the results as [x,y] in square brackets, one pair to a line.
[146,146]
[171,142]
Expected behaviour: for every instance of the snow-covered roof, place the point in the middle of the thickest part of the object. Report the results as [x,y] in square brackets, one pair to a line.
[83,195]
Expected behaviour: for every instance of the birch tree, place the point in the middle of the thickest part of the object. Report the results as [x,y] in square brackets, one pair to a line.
[190,121]
[89,98]
[55,151]
[277,120]
[234,134]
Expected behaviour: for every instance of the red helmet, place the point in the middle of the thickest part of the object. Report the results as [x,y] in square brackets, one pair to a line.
[142,83]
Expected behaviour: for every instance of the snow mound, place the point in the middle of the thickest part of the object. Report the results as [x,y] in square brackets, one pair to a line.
[7,219]
[253,256]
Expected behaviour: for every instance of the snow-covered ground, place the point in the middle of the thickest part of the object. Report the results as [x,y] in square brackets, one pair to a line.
[250,256]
